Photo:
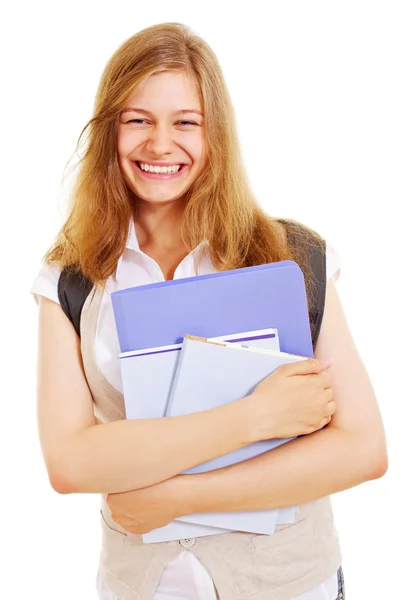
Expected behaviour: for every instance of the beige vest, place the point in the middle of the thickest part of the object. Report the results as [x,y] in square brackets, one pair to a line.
[243,566]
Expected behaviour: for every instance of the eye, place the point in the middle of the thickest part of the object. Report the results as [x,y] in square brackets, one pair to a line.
[187,123]
[137,121]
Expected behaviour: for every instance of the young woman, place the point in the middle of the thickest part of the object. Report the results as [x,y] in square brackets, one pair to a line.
[161,193]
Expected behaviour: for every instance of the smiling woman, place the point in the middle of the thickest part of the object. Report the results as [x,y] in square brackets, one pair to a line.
[161,193]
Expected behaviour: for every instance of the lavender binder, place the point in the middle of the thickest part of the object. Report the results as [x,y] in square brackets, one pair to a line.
[260,297]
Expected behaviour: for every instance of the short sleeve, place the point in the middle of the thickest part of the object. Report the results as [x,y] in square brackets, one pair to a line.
[333,263]
[46,283]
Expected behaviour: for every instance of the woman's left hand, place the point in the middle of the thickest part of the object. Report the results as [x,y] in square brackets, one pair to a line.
[141,511]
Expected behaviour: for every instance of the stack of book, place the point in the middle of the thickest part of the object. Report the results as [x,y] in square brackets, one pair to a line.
[194,344]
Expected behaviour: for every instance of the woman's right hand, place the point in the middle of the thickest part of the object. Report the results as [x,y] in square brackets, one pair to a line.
[295,399]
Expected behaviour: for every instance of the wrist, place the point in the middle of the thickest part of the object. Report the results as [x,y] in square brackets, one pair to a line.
[257,425]
[239,421]
[248,418]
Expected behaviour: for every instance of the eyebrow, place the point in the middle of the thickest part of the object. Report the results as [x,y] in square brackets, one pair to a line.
[147,112]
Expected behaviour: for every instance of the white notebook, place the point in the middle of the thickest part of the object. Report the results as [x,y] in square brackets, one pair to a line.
[147,377]
[211,375]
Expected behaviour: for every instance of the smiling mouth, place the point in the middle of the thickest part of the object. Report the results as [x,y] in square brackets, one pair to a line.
[171,170]
[161,173]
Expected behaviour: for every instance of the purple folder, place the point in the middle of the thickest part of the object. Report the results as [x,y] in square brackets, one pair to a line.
[217,304]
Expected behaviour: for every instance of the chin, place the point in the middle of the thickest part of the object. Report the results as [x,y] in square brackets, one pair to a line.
[159,198]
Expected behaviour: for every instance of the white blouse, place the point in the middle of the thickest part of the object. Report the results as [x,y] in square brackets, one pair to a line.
[185,578]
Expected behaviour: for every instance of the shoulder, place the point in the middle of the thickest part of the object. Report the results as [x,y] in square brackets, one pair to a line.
[68,288]
[54,283]
[46,282]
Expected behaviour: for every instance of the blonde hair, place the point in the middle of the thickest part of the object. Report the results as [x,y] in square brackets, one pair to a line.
[220,205]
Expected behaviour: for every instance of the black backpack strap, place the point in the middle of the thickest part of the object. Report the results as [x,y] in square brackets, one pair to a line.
[315,256]
[73,289]
[317,262]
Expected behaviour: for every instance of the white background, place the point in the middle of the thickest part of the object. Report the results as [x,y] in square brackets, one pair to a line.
[316,91]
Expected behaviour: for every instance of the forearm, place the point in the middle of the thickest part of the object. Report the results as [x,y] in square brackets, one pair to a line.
[308,468]
[132,454]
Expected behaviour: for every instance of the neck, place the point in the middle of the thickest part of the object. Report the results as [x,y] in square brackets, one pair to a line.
[159,226]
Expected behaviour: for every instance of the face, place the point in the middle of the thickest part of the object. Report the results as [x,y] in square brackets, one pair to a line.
[161,145]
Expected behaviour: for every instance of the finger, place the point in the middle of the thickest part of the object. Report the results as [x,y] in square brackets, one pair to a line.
[331,408]
[305,367]
[325,421]
[328,394]
[325,379]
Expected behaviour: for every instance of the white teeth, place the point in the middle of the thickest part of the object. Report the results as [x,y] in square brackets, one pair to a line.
[155,169]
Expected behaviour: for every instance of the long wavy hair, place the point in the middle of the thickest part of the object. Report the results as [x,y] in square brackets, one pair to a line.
[220,206]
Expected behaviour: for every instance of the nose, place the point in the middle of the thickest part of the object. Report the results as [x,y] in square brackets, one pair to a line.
[160,141]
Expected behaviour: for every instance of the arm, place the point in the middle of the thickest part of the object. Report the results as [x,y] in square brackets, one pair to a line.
[82,456]
[349,451]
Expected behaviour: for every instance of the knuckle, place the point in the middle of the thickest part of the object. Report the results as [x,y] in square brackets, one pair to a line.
[326,376]
[328,394]
[311,363]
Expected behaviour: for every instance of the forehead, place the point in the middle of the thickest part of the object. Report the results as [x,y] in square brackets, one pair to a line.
[168,91]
